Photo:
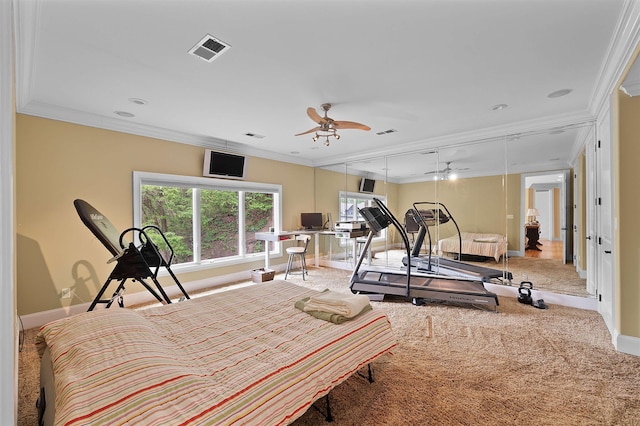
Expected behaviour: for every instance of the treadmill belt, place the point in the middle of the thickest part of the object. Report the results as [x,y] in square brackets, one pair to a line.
[435,283]
[444,266]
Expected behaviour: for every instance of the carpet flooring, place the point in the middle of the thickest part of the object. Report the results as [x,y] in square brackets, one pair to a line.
[457,365]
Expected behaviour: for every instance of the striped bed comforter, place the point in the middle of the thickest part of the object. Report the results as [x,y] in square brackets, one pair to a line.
[243,356]
[488,245]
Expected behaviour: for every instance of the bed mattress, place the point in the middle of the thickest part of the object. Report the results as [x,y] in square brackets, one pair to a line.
[477,244]
[242,356]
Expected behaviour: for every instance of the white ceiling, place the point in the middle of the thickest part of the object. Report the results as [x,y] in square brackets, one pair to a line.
[432,70]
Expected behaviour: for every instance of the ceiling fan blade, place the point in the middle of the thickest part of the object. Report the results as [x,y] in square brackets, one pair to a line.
[435,171]
[313,114]
[315,129]
[350,125]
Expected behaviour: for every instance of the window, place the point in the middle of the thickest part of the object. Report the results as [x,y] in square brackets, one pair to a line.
[207,221]
[350,202]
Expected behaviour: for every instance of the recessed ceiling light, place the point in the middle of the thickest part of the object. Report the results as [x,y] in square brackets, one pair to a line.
[559,93]
[499,107]
[124,114]
[294,152]
[138,101]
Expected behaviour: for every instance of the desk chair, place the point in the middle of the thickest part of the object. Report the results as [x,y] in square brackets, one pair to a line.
[300,249]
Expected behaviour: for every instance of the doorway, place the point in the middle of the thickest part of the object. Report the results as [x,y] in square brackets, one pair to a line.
[544,192]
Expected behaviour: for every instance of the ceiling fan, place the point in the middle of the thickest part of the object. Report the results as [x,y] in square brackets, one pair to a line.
[327,126]
[446,172]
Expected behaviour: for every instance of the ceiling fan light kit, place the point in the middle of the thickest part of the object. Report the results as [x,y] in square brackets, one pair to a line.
[328,127]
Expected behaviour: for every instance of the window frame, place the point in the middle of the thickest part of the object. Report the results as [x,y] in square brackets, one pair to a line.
[197,184]
[382,235]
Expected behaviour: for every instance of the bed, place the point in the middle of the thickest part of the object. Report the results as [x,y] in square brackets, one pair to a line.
[241,356]
[477,244]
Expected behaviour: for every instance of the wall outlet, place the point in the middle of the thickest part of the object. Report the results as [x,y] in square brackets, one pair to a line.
[65,293]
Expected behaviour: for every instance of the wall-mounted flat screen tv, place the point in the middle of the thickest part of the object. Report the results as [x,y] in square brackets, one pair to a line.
[367,185]
[224,165]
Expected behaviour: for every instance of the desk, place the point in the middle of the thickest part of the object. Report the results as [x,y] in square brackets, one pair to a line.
[287,236]
[291,235]
[532,233]
[355,235]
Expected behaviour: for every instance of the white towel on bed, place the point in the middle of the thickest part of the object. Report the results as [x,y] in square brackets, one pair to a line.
[345,304]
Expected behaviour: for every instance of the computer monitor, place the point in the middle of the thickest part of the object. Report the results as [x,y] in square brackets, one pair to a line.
[311,220]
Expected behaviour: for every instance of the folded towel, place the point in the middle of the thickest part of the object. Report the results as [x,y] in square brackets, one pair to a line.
[328,316]
[348,305]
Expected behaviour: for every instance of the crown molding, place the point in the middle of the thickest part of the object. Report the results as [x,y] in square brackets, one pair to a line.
[621,51]
[522,128]
[52,112]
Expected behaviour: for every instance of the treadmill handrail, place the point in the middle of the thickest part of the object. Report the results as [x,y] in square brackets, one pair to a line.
[403,234]
[424,224]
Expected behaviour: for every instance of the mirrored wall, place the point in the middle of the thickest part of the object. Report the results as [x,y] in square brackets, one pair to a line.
[483,193]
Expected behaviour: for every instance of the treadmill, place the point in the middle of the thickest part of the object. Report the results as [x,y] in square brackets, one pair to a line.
[410,282]
[425,218]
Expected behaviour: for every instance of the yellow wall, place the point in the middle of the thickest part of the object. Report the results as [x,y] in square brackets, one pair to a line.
[58,162]
[628,248]
[477,204]
[328,183]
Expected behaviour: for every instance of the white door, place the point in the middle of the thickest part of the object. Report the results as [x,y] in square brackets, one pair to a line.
[591,233]
[604,221]
[543,200]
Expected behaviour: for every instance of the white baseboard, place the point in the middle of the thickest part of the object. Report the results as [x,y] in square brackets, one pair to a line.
[581,273]
[627,344]
[40,318]
[586,303]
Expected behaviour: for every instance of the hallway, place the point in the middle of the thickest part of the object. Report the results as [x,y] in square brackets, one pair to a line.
[548,250]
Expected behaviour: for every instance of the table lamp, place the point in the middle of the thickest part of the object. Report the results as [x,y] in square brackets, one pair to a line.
[532,214]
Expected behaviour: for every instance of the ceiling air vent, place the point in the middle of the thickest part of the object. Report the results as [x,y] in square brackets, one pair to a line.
[384,132]
[254,135]
[209,48]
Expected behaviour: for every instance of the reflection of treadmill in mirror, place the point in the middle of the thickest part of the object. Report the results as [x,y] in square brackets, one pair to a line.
[411,283]
[441,265]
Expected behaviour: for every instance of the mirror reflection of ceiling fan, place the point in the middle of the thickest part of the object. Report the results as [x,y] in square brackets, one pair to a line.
[327,126]
[446,172]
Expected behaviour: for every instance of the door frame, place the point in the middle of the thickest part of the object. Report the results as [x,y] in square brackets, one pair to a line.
[549,184]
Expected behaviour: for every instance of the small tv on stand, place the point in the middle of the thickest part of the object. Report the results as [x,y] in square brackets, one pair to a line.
[311,220]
